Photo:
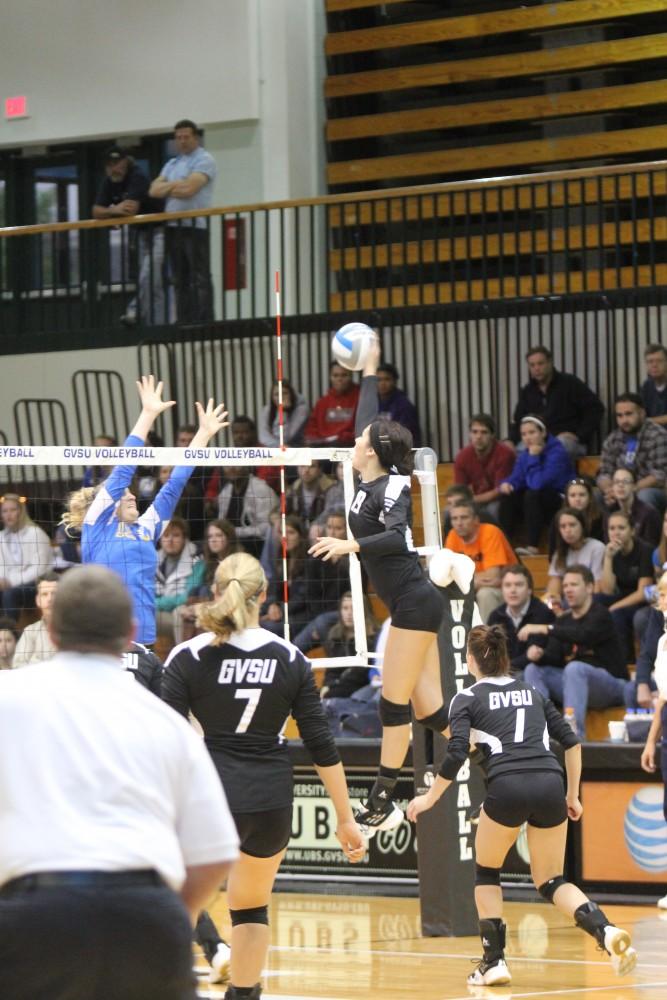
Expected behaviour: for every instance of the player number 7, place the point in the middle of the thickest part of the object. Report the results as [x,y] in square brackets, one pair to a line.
[252,695]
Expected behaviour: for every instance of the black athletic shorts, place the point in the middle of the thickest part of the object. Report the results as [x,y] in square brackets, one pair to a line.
[264,834]
[420,608]
[535,797]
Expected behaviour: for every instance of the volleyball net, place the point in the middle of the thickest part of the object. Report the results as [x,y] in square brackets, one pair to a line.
[44,476]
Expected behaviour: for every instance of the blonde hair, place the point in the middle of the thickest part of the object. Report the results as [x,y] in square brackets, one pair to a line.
[661,586]
[77,507]
[239,580]
[22,504]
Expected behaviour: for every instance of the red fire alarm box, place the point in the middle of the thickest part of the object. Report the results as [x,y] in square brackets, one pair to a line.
[234,253]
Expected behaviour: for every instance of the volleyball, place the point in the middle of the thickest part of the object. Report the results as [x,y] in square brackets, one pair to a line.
[351,344]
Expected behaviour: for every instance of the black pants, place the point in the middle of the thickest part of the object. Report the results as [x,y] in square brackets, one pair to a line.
[71,943]
[534,507]
[189,254]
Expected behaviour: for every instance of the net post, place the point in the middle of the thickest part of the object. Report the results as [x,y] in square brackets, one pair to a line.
[446,881]
[426,471]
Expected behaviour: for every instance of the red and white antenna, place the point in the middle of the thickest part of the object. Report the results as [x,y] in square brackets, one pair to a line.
[281,439]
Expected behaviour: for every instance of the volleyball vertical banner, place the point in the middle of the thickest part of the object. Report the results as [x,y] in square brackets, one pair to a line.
[445,856]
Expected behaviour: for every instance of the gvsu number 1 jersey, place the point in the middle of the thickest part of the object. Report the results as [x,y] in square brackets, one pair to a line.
[380,519]
[511,724]
[241,693]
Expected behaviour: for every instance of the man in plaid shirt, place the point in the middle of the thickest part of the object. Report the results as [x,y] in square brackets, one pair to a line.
[637,444]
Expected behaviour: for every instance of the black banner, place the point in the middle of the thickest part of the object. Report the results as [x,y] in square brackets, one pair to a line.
[446,833]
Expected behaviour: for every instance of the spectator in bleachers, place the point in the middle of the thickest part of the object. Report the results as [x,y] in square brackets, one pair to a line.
[597,675]
[453,495]
[520,607]
[25,553]
[176,558]
[334,501]
[124,192]
[186,182]
[660,552]
[658,566]
[532,493]
[295,415]
[339,641]
[483,464]
[331,421]
[36,643]
[644,519]
[247,502]
[244,435]
[642,692]
[626,572]
[307,495]
[569,409]
[272,615]
[580,495]
[394,403]
[220,541]
[654,389]
[573,547]
[487,546]
[326,582]
[9,635]
[637,444]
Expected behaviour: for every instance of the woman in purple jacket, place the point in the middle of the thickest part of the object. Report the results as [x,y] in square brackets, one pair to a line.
[533,492]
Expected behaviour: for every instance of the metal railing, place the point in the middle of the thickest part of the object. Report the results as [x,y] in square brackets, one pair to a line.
[596,230]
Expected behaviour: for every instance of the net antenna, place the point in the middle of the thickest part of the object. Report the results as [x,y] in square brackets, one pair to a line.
[281,441]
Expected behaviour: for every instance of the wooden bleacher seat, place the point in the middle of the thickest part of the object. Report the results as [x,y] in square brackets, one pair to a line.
[534,107]
[589,466]
[539,63]
[473,26]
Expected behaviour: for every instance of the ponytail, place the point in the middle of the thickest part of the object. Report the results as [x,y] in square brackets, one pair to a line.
[238,583]
[488,644]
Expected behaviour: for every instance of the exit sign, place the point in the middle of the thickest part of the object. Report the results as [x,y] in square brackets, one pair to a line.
[16,107]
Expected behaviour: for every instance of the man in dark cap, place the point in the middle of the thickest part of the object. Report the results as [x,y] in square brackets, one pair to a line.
[123,193]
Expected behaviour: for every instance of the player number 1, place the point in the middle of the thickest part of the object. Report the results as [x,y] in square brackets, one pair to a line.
[520,723]
[252,695]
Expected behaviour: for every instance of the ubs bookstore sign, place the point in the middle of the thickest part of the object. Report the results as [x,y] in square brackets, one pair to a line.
[392,855]
[314,850]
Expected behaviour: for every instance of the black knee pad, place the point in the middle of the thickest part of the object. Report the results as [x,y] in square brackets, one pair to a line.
[253,915]
[486,876]
[550,887]
[437,721]
[392,714]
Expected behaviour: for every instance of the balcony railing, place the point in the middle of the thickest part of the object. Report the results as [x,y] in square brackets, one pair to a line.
[581,232]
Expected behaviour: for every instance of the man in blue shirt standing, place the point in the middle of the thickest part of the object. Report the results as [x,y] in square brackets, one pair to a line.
[186,182]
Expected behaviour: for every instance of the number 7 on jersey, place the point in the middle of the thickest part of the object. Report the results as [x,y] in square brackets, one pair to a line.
[252,695]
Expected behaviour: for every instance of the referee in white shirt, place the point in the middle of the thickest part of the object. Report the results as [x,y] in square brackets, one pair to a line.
[114,829]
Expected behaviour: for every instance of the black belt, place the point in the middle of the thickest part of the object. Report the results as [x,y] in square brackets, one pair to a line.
[81,880]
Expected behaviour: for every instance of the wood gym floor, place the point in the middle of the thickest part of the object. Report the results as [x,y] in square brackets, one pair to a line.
[340,947]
